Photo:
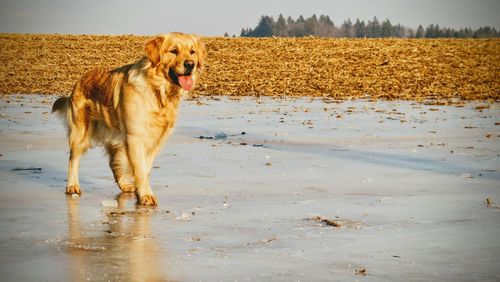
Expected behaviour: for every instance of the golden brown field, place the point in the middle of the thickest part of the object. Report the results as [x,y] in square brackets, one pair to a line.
[414,69]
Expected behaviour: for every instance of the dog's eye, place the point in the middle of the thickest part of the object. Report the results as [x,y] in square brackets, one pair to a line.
[192,52]
[174,51]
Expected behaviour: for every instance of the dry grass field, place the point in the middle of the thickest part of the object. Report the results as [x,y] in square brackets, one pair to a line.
[441,70]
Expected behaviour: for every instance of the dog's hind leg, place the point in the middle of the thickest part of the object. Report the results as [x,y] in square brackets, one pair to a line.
[79,141]
[119,164]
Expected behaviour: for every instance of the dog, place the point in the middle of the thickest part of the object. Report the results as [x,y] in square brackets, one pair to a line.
[131,110]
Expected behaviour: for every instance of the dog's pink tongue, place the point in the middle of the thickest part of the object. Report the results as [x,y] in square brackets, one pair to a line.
[186,82]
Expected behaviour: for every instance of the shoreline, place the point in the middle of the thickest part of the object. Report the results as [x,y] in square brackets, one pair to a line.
[201,99]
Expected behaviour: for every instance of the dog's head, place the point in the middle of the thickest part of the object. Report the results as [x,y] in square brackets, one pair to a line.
[178,57]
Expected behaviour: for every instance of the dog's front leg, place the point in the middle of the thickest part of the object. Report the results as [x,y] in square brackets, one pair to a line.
[137,156]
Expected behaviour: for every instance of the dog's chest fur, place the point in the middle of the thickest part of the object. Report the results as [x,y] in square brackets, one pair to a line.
[156,121]
[161,122]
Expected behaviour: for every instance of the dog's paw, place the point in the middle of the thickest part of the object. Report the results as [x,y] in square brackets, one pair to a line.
[73,189]
[148,200]
[126,187]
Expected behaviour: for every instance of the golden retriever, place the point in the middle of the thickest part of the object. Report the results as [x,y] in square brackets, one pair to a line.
[131,110]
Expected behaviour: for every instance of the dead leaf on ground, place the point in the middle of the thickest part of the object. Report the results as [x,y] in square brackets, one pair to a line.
[361,271]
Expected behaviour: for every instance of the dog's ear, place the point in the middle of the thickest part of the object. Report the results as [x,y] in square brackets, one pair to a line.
[202,53]
[153,49]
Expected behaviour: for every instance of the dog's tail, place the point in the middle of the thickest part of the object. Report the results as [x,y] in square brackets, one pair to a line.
[60,107]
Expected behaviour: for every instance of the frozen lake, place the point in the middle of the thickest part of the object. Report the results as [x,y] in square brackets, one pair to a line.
[248,190]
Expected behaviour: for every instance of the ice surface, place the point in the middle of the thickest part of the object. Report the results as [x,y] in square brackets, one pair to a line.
[406,182]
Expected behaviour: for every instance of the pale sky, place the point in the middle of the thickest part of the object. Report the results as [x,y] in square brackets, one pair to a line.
[210,18]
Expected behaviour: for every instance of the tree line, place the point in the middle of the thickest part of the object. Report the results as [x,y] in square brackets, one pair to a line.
[324,27]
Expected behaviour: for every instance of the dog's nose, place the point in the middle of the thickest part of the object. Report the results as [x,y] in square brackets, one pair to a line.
[189,65]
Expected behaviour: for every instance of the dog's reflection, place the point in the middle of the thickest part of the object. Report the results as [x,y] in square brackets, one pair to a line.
[118,248]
